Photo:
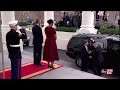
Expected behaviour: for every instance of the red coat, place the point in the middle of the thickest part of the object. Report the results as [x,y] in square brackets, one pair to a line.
[50,48]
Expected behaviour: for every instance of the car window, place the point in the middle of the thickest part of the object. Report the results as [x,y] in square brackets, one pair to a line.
[110,44]
[75,41]
[100,43]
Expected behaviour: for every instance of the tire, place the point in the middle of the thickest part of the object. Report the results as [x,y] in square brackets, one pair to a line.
[78,61]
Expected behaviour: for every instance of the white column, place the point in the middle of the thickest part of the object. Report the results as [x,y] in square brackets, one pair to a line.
[87,25]
[48,15]
[7,16]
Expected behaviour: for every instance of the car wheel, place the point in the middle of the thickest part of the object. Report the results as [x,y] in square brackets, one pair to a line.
[78,62]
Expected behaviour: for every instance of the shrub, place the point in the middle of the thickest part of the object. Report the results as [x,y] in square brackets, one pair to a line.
[102,30]
[67,29]
[110,31]
[22,23]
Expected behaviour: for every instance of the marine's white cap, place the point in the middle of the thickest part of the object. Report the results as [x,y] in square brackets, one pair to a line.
[13,23]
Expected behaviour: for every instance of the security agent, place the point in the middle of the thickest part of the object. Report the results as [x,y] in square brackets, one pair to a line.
[13,45]
[97,58]
[84,56]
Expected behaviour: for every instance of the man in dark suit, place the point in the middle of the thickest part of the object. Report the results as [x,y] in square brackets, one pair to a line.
[97,57]
[84,56]
[37,42]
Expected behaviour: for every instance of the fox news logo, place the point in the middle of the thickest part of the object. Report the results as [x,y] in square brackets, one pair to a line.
[107,71]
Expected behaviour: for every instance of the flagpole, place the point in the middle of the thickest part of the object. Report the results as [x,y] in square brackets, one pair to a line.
[2,52]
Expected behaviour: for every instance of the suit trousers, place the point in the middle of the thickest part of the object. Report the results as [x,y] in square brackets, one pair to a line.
[37,53]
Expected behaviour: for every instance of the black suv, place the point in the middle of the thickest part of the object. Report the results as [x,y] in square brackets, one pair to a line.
[110,48]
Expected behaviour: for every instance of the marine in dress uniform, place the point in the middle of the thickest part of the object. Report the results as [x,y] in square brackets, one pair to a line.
[13,45]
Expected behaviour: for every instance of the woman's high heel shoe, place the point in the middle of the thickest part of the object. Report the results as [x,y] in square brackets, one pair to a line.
[51,67]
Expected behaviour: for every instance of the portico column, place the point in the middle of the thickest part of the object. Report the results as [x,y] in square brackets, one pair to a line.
[87,25]
[7,16]
[48,15]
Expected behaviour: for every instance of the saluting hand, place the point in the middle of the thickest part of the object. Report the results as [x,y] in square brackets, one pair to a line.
[18,31]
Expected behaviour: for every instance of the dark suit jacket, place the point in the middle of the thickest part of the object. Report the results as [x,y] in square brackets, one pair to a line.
[37,34]
[97,55]
[84,53]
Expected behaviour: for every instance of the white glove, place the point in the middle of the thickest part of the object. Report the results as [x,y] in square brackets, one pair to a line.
[18,31]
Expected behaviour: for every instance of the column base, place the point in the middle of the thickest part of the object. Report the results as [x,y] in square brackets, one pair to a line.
[86,31]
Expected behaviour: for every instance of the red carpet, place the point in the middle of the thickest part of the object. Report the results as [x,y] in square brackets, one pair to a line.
[29,70]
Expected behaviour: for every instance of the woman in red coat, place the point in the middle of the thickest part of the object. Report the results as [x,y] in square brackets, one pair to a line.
[50,53]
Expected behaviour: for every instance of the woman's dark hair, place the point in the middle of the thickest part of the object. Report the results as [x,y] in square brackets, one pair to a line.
[50,21]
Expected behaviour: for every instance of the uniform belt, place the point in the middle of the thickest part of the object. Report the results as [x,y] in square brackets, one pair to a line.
[14,45]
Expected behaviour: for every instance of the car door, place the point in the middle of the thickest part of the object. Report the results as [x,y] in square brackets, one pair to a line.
[73,46]
[116,56]
[77,46]
[112,53]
